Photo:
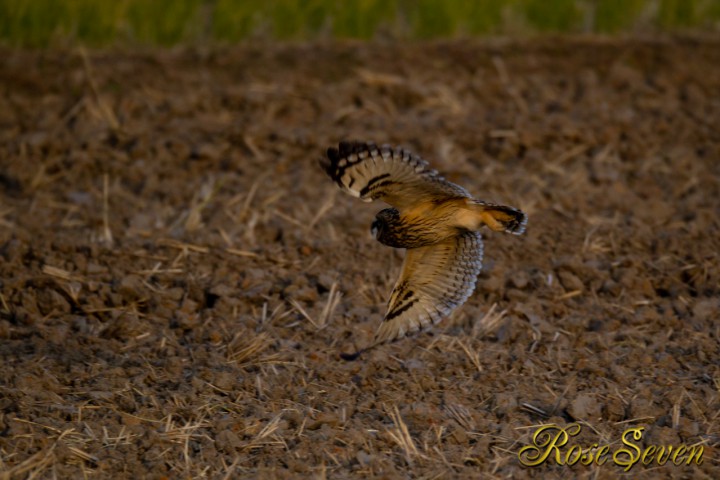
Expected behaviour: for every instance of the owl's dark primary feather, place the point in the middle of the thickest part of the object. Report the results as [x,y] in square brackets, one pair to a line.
[394,175]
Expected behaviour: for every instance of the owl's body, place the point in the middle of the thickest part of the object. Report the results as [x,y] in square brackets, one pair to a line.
[420,227]
[435,220]
[431,222]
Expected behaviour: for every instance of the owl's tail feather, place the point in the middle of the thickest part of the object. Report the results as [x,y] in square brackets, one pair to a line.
[501,218]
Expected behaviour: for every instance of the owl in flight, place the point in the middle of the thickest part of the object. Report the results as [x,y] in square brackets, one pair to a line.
[437,221]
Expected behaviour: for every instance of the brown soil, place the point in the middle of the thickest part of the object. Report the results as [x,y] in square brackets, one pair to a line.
[178,275]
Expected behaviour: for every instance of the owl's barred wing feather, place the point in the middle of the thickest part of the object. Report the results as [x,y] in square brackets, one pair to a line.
[393,175]
[434,281]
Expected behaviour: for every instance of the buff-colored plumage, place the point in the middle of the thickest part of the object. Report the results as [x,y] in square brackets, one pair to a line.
[435,220]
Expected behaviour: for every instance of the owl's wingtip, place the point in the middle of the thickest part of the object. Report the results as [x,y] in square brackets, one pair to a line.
[349,147]
[349,357]
[333,154]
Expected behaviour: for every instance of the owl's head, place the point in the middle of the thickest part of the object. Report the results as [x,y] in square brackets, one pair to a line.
[383,222]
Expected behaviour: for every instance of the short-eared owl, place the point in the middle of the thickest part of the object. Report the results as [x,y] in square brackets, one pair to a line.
[435,220]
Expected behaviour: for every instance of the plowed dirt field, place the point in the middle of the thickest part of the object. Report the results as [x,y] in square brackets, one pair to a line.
[178,276]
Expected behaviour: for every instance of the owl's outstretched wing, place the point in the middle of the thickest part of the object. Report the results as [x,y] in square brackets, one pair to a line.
[433,282]
[393,175]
